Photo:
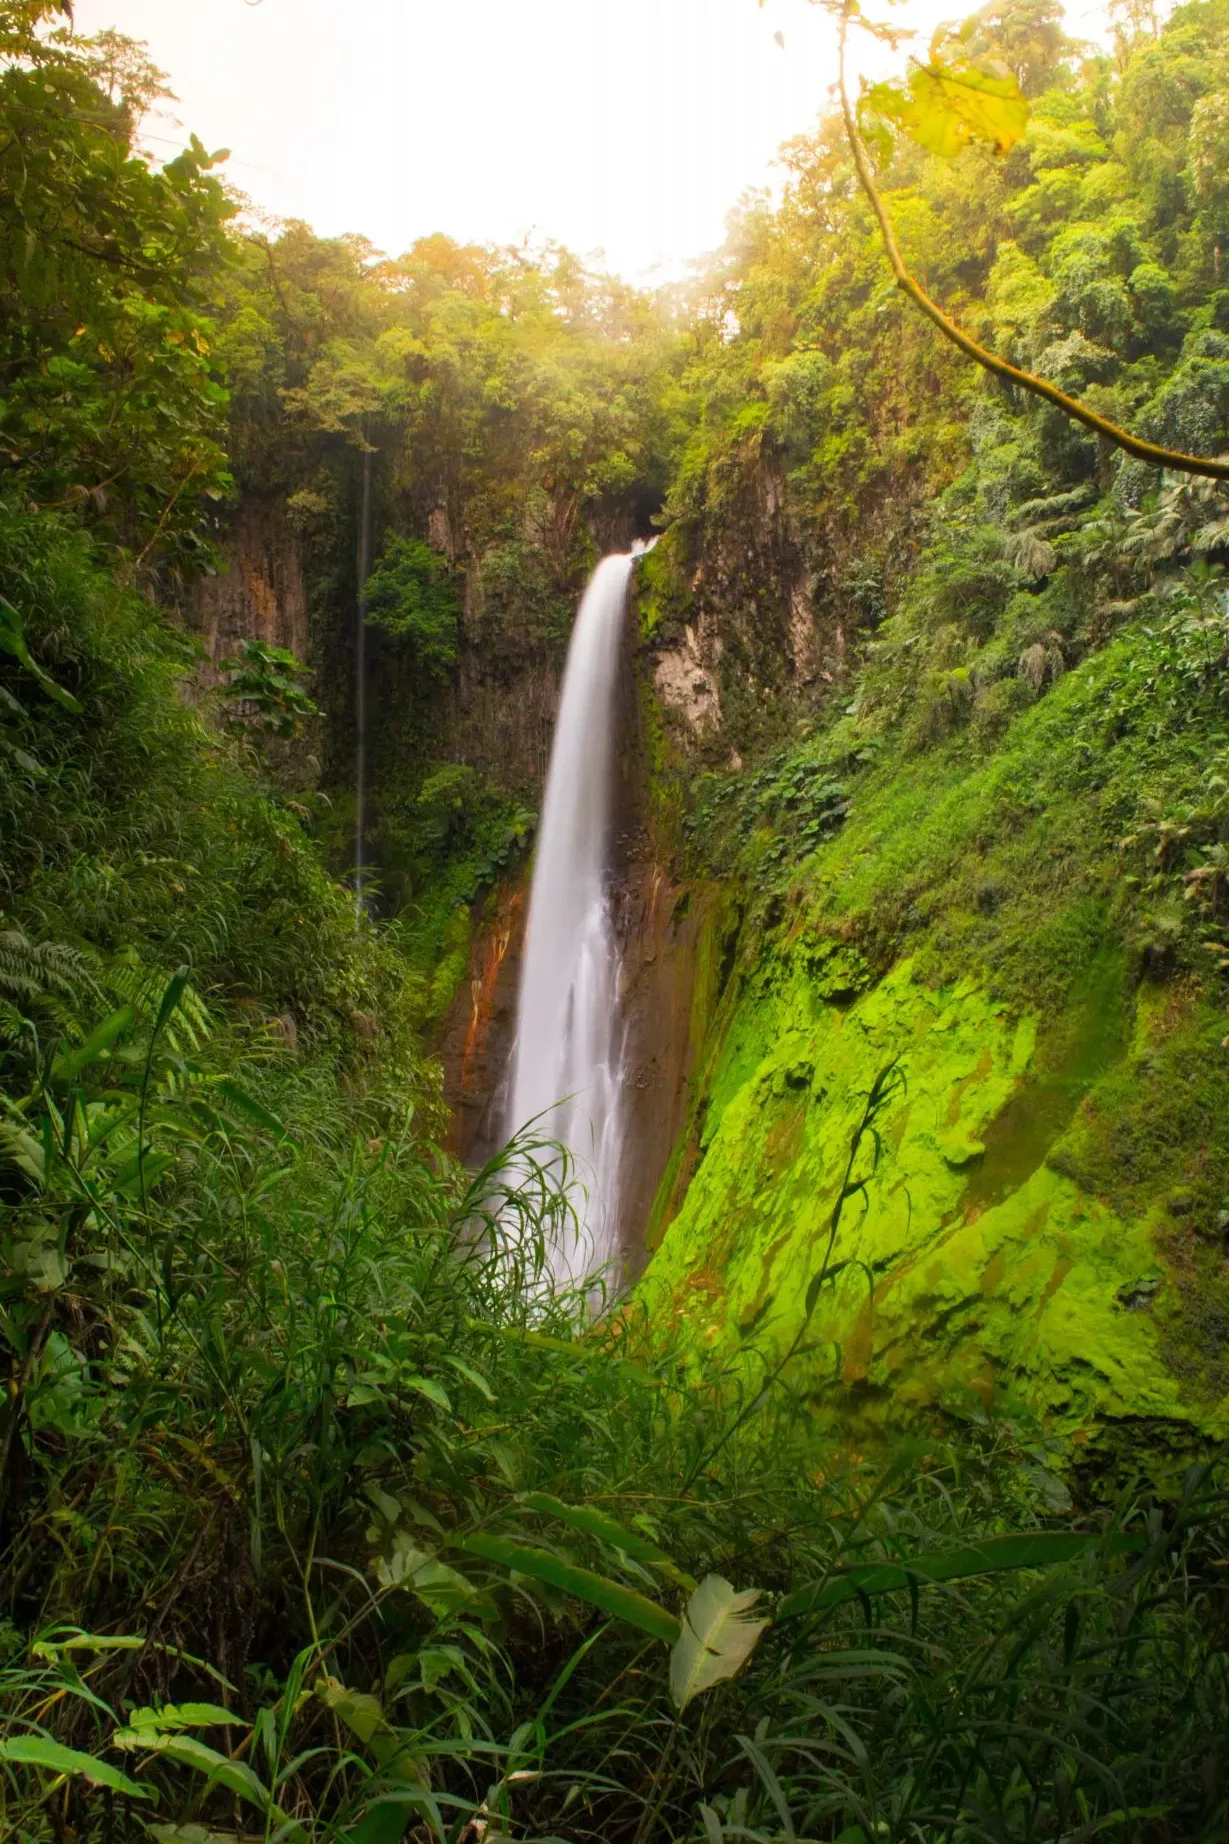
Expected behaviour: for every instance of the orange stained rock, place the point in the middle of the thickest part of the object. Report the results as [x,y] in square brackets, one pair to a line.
[482,988]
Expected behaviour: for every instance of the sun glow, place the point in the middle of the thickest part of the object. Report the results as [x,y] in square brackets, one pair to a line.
[632,129]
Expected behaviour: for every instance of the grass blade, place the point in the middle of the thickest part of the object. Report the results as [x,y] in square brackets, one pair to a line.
[597,1590]
[1030,1550]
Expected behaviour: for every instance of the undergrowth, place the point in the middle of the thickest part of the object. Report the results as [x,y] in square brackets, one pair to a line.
[321,1518]
[321,1513]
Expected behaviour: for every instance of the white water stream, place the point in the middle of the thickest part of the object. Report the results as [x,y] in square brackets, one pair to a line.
[567,1073]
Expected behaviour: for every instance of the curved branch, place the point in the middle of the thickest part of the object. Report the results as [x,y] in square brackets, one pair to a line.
[1150,452]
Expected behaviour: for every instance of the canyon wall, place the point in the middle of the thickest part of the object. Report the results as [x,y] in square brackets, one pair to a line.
[258,591]
[1034,1221]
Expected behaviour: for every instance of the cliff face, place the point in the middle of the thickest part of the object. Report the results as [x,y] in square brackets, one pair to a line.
[1040,1225]
[501,724]
[749,612]
[1036,1220]
[496,713]
[475,1039]
[258,592]
[983,1263]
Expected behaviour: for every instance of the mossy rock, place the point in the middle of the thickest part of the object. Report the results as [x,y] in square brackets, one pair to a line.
[980,1269]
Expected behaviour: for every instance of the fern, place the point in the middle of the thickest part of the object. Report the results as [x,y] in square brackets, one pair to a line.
[129,978]
[43,982]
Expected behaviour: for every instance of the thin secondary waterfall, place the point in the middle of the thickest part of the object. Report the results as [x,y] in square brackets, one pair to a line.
[567,1072]
[363,571]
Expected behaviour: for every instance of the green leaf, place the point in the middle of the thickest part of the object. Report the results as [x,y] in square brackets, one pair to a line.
[174,1716]
[951,102]
[596,1524]
[175,990]
[13,642]
[190,1834]
[428,1387]
[127,1177]
[41,1751]
[1031,1550]
[364,1716]
[387,1818]
[43,1263]
[247,1104]
[25,1152]
[717,1639]
[597,1590]
[471,1376]
[362,1713]
[441,1589]
[67,1068]
[236,1776]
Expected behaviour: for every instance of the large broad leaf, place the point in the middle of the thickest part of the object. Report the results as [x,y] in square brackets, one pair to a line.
[950,102]
[598,1590]
[364,1716]
[718,1638]
[41,1751]
[596,1524]
[430,1388]
[387,1818]
[1032,1550]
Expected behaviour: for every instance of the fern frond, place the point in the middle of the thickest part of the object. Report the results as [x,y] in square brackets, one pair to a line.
[45,975]
[142,986]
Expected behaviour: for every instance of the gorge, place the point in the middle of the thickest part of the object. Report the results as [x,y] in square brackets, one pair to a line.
[720,736]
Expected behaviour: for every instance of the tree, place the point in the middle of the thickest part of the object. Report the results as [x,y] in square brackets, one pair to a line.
[108,269]
[411,595]
[957,99]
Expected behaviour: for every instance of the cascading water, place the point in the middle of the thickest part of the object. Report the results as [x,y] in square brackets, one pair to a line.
[363,571]
[567,1074]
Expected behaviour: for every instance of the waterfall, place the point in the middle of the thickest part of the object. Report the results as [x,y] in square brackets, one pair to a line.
[363,571]
[567,1072]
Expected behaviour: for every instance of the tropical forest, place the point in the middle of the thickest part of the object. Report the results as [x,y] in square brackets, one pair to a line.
[614,977]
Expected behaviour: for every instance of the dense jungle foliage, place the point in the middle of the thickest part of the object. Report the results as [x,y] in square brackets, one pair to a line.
[996,751]
[322,1514]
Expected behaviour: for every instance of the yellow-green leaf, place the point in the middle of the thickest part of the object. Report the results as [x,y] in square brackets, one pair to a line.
[175,1716]
[236,1776]
[949,103]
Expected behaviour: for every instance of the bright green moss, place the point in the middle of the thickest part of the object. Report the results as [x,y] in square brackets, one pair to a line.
[663,599]
[453,964]
[976,1270]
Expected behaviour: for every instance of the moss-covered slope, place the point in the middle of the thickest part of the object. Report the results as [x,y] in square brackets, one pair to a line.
[1043,1222]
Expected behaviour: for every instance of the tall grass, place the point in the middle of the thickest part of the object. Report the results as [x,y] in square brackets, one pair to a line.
[279,1383]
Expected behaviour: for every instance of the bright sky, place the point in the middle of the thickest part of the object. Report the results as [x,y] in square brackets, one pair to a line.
[624,126]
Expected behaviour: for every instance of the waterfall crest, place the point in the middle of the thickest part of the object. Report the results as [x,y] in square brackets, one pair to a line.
[567,1073]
